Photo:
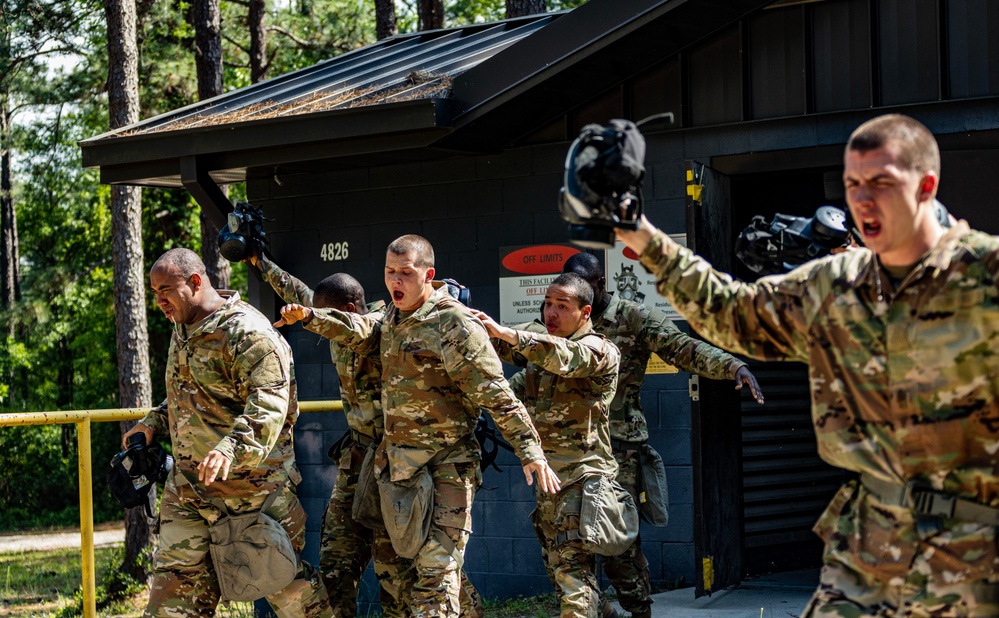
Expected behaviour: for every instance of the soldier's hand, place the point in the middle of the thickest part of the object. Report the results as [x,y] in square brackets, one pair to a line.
[745,376]
[139,427]
[547,478]
[214,464]
[638,240]
[293,313]
[255,258]
[494,329]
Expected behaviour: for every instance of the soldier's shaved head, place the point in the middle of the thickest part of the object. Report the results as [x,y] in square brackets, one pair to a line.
[339,289]
[182,288]
[586,265]
[186,262]
[417,246]
[917,148]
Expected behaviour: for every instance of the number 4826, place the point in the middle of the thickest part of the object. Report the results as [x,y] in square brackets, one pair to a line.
[333,251]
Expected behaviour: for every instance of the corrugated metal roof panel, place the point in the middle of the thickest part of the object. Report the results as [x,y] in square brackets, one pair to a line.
[419,65]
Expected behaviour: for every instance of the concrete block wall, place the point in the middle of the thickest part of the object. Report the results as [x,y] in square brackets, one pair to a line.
[468,208]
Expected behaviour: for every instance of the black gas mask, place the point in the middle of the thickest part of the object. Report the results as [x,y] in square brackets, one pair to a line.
[243,235]
[136,470]
[787,242]
[601,189]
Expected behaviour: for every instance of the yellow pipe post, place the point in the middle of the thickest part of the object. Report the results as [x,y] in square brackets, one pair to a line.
[86,520]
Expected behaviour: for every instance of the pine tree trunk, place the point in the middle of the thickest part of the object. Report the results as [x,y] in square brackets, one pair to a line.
[9,256]
[431,14]
[385,21]
[208,60]
[258,41]
[519,8]
[134,387]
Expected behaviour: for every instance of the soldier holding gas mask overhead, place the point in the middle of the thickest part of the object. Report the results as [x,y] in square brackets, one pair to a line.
[903,355]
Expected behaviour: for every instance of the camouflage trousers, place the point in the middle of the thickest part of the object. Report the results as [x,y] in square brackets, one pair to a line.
[629,571]
[346,547]
[880,561]
[571,568]
[183,580]
[435,586]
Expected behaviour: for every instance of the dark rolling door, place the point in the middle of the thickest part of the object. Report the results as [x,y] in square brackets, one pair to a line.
[785,484]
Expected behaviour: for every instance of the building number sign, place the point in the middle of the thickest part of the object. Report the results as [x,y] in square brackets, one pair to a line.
[334,251]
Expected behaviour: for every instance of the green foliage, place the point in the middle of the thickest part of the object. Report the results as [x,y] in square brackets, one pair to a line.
[297,36]
[63,353]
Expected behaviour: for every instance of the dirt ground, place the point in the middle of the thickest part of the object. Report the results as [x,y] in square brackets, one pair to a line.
[104,534]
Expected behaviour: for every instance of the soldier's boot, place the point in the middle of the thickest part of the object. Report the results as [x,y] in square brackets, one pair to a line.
[645,612]
[607,610]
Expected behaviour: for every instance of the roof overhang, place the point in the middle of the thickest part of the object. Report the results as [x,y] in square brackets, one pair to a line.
[224,151]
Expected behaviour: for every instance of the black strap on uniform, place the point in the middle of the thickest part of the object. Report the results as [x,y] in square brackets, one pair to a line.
[564,537]
[623,446]
[337,449]
[489,443]
[929,502]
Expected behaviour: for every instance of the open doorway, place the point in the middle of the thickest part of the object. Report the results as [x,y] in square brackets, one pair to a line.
[785,486]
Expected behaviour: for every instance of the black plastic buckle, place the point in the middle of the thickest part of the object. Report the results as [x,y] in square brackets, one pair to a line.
[928,502]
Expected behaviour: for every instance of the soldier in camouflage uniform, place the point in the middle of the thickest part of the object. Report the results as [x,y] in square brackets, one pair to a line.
[230,408]
[568,386]
[638,331]
[438,371]
[346,546]
[903,352]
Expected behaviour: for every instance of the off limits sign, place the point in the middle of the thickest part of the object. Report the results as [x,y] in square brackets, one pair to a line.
[525,273]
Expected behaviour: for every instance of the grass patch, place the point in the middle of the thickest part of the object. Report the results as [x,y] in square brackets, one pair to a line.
[541,606]
[48,584]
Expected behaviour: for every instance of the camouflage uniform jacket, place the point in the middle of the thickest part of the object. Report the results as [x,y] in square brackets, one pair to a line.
[568,386]
[904,382]
[638,331]
[438,370]
[231,388]
[360,374]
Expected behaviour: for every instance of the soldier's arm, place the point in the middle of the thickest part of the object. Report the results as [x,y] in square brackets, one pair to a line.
[475,369]
[361,333]
[685,352]
[288,287]
[152,424]
[261,374]
[156,419]
[768,320]
[573,359]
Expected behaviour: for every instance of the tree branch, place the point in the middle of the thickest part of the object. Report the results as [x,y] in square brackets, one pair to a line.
[290,35]
[233,42]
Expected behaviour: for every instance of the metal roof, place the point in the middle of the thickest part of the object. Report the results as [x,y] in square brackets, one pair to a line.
[476,88]
[399,87]
[400,68]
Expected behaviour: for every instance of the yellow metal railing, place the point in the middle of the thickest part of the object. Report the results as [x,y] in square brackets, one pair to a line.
[83,419]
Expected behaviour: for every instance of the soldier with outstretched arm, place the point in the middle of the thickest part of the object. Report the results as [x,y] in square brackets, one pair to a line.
[567,386]
[439,369]
[901,339]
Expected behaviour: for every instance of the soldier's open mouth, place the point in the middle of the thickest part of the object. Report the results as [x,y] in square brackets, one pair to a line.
[871,228]
[397,295]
